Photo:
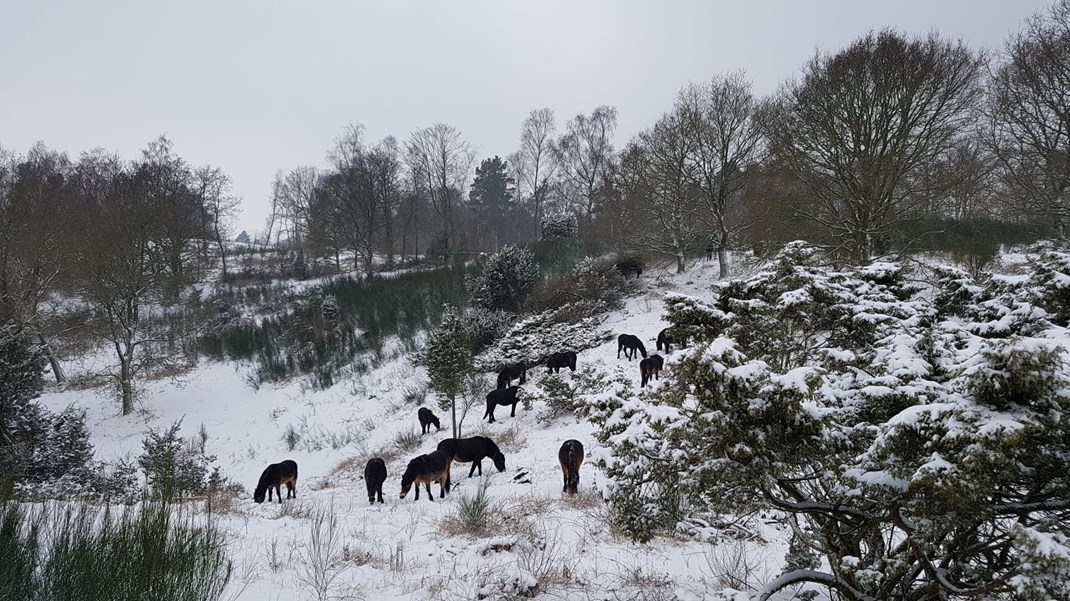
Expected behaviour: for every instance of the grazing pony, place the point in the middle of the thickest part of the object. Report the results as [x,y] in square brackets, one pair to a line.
[277,474]
[473,449]
[560,360]
[427,419]
[512,372]
[374,476]
[503,396]
[666,340]
[651,366]
[630,265]
[571,456]
[425,469]
[630,344]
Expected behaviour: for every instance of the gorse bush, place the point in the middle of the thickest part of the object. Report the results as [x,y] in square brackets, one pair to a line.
[173,467]
[505,280]
[81,552]
[868,413]
[326,328]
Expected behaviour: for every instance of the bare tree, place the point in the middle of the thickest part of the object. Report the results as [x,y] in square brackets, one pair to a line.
[35,221]
[182,221]
[440,161]
[535,163]
[661,205]
[119,268]
[723,116]
[1029,112]
[213,187]
[860,124]
[292,194]
[585,155]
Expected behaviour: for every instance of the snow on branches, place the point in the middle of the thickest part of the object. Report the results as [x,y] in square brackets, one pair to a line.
[918,442]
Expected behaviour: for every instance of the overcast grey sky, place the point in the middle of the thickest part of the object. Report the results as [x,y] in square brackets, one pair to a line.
[257,86]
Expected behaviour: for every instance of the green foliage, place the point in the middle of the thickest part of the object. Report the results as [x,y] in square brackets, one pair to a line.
[492,188]
[505,280]
[473,513]
[972,243]
[329,327]
[560,226]
[82,552]
[172,466]
[448,354]
[868,413]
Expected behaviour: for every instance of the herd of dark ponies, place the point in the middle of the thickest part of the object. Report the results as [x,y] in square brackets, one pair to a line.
[435,466]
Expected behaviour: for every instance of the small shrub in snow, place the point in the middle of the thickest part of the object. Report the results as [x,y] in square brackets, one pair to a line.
[558,227]
[473,513]
[172,466]
[506,279]
[534,338]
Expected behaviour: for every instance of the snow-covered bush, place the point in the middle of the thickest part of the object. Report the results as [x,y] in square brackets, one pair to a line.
[45,454]
[918,445]
[507,277]
[558,227]
[533,339]
[172,466]
[594,286]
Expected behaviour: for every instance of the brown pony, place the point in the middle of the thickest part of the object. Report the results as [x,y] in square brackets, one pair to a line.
[651,367]
[426,469]
[277,474]
[571,457]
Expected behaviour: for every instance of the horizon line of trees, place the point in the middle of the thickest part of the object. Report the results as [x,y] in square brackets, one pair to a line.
[889,129]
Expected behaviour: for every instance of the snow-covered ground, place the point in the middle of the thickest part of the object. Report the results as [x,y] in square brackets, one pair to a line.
[405,549]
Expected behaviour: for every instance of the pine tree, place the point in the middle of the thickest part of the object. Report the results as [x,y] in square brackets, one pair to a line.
[507,278]
[492,196]
[449,359]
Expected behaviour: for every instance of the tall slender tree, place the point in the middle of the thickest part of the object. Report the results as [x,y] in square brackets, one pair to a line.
[722,116]
[535,164]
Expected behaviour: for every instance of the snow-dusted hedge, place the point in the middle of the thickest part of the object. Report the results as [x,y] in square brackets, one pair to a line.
[532,339]
[917,441]
[558,227]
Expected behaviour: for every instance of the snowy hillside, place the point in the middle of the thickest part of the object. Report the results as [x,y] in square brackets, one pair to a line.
[407,549]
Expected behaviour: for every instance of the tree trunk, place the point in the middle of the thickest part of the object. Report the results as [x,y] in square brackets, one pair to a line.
[680,263]
[126,379]
[722,262]
[453,417]
[53,361]
[222,254]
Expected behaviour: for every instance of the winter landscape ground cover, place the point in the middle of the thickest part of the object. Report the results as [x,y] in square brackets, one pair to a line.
[827,432]
[406,549]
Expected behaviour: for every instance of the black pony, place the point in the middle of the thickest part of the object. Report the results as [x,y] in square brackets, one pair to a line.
[473,449]
[425,469]
[651,367]
[374,476]
[560,360]
[512,372]
[629,344]
[667,339]
[571,457]
[503,396]
[427,419]
[277,474]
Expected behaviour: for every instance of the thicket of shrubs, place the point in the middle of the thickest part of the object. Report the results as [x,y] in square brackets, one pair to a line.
[915,441]
[83,552]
